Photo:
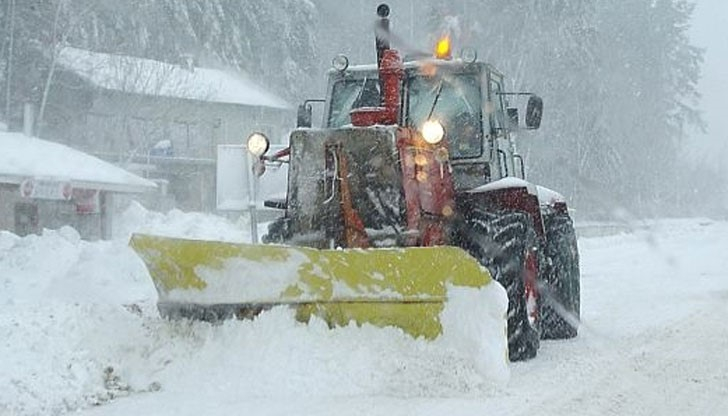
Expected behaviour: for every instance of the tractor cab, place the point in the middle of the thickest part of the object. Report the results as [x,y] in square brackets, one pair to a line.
[399,141]
[465,99]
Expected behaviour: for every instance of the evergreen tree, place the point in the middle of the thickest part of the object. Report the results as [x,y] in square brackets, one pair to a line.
[273,42]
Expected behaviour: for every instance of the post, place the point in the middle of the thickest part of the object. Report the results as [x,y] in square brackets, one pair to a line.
[28,119]
[252,197]
[9,66]
[106,209]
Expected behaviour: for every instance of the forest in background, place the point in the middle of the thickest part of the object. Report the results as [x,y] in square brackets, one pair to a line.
[618,78]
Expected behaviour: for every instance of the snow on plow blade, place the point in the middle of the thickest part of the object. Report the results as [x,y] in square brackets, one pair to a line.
[402,287]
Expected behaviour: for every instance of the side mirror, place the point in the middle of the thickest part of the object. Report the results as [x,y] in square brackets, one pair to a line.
[512,114]
[534,110]
[304,115]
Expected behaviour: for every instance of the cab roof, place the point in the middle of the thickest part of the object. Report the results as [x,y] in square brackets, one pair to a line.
[414,64]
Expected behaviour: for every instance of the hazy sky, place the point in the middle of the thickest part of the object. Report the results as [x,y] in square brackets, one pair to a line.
[710,31]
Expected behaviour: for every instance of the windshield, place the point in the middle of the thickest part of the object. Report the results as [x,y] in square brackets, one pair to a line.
[350,94]
[454,101]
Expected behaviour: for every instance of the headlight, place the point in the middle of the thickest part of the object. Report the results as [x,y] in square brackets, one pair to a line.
[469,55]
[432,131]
[340,63]
[258,144]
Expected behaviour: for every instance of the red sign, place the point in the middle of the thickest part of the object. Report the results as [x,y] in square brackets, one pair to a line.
[46,189]
[87,201]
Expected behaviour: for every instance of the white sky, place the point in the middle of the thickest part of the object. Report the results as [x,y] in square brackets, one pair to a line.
[710,31]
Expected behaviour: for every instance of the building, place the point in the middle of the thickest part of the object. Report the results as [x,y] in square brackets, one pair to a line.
[47,185]
[159,120]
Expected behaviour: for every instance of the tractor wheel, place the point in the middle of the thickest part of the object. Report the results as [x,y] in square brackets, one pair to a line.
[560,311]
[506,243]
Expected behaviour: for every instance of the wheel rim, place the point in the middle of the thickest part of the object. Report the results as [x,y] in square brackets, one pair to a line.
[530,292]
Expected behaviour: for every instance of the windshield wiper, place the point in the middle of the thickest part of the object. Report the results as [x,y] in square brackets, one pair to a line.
[434,103]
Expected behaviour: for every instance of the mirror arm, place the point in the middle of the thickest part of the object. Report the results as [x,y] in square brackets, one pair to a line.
[304,116]
[314,100]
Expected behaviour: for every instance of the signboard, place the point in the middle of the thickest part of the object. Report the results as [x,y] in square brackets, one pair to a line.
[46,189]
[232,177]
[233,174]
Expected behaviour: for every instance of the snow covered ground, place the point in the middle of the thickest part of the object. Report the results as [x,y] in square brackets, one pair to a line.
[78,328]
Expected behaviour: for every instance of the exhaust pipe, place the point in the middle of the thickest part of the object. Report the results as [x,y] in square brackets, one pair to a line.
[391,71]
[381,32]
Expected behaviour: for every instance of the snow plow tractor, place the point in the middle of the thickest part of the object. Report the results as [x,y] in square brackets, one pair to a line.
[412,187]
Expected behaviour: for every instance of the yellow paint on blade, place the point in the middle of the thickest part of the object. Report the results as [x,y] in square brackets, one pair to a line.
[402,287]
[418,319]
[172,261]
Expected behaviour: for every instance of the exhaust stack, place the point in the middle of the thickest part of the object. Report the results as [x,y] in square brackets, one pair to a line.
[390,77]
[381,32]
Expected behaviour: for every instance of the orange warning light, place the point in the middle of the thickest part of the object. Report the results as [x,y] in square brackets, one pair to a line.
[442,50]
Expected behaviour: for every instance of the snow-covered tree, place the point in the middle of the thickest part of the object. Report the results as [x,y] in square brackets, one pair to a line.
[619,85]
[273,42]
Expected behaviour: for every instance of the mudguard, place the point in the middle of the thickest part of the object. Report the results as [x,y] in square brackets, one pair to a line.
[507,194]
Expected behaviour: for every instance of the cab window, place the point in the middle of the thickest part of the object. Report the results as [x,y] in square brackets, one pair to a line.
[350,94]
[454,101]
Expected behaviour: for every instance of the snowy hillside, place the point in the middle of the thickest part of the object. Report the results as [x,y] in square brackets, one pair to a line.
[79,328]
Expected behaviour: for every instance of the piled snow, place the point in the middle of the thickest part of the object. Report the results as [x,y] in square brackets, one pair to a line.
[79,327]
[175,223]
[474,324]
[62,315]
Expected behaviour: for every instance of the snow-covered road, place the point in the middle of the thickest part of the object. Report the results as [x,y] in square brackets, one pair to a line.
[653,340]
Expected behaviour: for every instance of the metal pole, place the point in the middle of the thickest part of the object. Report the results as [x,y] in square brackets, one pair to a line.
[28,121]
[9,74]
[252,198]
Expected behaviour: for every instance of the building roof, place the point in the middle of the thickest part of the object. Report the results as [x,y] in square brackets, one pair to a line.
[23,157]
[148,77]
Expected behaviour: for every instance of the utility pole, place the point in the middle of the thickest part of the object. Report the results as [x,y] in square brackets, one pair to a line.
[9,69]
[54,60]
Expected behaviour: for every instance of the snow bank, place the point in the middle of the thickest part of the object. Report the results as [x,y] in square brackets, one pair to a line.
[63,314]
[175,223]
[474,324]
[58,265]
[79,327]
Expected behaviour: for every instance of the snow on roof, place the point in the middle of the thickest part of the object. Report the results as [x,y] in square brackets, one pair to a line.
[148,77]
[23,157]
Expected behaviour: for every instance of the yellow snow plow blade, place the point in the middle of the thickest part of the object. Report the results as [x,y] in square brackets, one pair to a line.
[402,287]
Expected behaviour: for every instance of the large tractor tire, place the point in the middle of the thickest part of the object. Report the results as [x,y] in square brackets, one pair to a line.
[506,243]
[560,311]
